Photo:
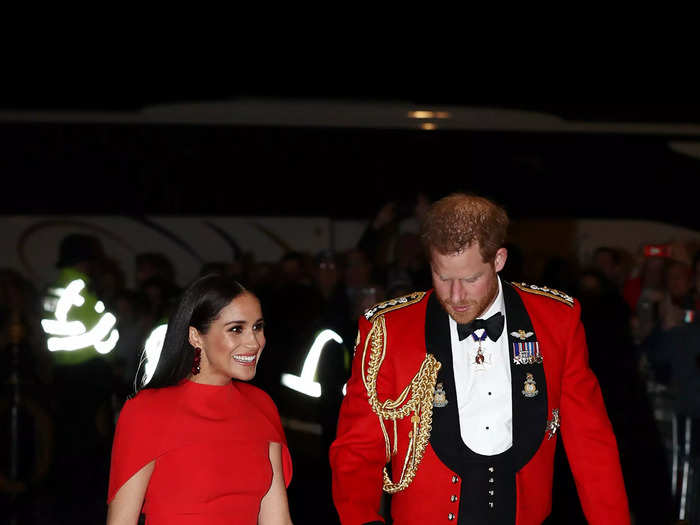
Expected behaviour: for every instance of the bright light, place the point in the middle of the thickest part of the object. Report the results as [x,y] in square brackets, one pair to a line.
[305,383]
[425,113]
[69,297]
[55,327]
[105,347]
[152,349]
[421,113]
[76,342]
[429,126]
[310,388]
[73,335]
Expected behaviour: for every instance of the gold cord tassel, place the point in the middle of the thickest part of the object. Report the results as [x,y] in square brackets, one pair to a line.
[421,388]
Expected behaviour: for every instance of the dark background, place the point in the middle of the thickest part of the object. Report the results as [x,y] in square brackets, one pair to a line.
[103,167]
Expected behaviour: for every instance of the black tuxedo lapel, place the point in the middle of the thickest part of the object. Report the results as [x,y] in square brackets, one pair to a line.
[445,436]
[529,413]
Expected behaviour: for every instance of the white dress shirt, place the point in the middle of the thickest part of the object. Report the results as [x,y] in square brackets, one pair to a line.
[484,391]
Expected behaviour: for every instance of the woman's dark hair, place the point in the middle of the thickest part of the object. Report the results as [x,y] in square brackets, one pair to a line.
[199,306]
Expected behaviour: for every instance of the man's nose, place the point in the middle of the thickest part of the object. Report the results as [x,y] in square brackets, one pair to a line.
[457,292]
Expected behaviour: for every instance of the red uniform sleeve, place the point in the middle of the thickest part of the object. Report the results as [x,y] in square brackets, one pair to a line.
[588,435]
[357,456]
[135,443]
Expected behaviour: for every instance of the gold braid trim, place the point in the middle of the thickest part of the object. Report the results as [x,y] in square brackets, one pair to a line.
[421,388]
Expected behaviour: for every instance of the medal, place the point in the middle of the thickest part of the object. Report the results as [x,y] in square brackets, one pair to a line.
[479,358]
[527,353]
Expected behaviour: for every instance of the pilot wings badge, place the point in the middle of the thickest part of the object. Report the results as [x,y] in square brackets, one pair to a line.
[522,334]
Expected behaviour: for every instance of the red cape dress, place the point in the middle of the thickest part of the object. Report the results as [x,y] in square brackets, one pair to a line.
[211,450]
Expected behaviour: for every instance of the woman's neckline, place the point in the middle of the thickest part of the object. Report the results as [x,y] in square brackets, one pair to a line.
[186,381]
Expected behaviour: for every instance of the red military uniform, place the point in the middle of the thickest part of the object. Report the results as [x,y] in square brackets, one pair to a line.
[449,483]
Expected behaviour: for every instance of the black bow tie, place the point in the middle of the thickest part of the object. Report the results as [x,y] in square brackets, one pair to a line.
[493,326]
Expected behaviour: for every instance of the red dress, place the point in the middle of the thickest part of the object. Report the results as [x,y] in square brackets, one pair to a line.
[211,450]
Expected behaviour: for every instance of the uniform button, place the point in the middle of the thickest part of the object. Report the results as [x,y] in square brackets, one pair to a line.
[489,393]
[490,480]
[490,469]
[455,479]
[491,504]
[453,498]
[450,516]
[487,428]
[490,492]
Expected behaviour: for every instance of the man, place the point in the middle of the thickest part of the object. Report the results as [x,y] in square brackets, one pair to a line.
[468,411]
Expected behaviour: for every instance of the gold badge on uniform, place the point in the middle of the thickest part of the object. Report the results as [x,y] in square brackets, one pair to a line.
[530,387]
[439,398]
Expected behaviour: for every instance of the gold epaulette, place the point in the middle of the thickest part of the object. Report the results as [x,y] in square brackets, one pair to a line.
[547,292]
[393,304]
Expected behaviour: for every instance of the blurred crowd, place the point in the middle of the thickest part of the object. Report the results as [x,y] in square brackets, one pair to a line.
[640,313]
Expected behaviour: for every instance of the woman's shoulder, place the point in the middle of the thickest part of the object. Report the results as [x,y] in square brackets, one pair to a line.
[150,405]
[258,397]
[253,392]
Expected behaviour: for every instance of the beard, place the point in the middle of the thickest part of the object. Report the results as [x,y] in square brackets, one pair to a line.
[475,307]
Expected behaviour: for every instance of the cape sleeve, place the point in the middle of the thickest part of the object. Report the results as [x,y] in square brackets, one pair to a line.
[286,456]
[269,409]
[136,442]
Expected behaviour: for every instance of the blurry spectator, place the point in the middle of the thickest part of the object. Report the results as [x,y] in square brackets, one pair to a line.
[19,299]
[665,290]
[291,308]
[362,290]
[158,296]
[292,269]
[391,239]
[609,262]
[676,352]
[151,264]
[131,310]
[410,270]
[82,379]
[677,302]
[335,303]
[24,375]
[109,280]
[644,293]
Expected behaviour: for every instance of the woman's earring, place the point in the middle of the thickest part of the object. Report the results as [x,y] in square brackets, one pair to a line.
[197,360]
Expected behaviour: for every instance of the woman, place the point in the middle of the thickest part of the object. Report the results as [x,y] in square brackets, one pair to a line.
[197,442]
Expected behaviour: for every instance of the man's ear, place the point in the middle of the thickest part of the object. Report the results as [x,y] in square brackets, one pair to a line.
[195,337]
[500,259]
